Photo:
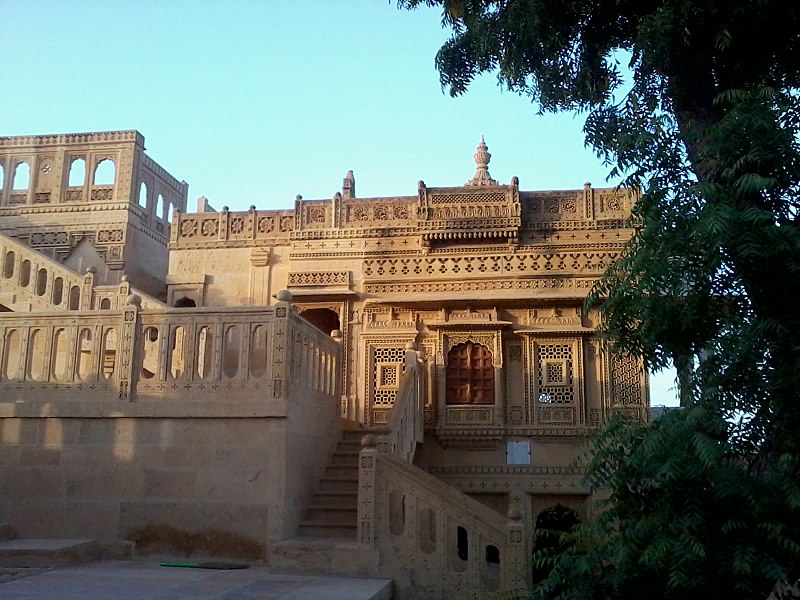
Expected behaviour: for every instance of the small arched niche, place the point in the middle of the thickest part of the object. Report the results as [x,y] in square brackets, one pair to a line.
[325,319]
[185,302]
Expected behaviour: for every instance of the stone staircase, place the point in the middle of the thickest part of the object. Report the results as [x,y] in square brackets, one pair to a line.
[334,509]
[326,541]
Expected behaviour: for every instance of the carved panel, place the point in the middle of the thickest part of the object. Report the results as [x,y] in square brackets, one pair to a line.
[554,391]
[319,278]
[627,381]
[488,264]
[565,283]
[470,415]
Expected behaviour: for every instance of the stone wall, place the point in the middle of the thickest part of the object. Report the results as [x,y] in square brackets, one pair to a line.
[209,445]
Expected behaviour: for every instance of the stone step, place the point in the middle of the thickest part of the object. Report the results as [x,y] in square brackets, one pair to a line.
[327,529]
[48,552]
[343,499]
[344,459]
[333,514]
[338,484]
[342,471]
[353,446]
[323,556]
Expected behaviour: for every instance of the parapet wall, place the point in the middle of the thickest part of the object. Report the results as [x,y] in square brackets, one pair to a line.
[184,418]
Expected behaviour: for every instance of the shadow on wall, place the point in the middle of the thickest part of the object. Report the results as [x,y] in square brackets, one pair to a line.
[171,485]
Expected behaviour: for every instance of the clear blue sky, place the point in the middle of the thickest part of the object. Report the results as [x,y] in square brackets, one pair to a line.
[253,102]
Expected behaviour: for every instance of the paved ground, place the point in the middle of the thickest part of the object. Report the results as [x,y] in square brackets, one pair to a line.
[144,579]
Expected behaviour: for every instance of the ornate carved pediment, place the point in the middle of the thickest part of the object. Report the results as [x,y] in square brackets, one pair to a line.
[468,319]
[482,214]
[554,320]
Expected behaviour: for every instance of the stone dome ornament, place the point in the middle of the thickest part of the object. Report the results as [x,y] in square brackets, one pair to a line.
[482,158]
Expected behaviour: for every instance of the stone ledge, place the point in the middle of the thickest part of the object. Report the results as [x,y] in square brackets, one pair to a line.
[144,409]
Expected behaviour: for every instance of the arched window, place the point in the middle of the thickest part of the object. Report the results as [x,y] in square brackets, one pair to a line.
[58,290]
[470,375]
[25,273]
[2,176]
[169,213]
[143,195]
[77,173]
[74,297]
[41,282]
[160,207]
[104,172]
[105,304]
[8,264]
[22,177]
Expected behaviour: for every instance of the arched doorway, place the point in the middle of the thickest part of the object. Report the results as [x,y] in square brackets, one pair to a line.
[322,318]
[550,524]
[470,374]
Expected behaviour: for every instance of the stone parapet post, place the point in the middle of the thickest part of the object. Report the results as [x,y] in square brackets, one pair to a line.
[516,570]
[367,494]
[128,374]
[87,289]
[282,346]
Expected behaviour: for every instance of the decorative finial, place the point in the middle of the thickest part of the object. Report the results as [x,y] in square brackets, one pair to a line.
[349,185]
[482,158]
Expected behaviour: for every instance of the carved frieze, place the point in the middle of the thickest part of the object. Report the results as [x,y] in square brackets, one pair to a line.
[319,278]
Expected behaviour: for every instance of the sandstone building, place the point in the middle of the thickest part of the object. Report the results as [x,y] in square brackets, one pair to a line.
[216,371]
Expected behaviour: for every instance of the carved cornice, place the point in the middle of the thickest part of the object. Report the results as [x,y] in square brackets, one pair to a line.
[64,139]
[475,438]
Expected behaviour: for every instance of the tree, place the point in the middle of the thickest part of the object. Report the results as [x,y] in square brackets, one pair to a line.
[705,121]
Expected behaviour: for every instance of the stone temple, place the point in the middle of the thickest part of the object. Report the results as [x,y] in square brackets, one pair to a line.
[391,386]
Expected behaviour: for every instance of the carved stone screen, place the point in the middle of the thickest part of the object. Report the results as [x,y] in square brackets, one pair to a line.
[470,375]
[387,370]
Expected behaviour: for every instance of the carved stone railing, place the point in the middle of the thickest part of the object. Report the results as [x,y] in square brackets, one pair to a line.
[116,296]
[405,425]
[430,535]
[37,282]
[129,353]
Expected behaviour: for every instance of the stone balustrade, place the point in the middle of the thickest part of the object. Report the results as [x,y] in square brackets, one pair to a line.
[37,282]
[41,282]
[132,353]
[431,536]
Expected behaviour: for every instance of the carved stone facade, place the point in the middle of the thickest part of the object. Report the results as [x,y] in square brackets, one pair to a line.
[484,264]
[91,199]
[485,280]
